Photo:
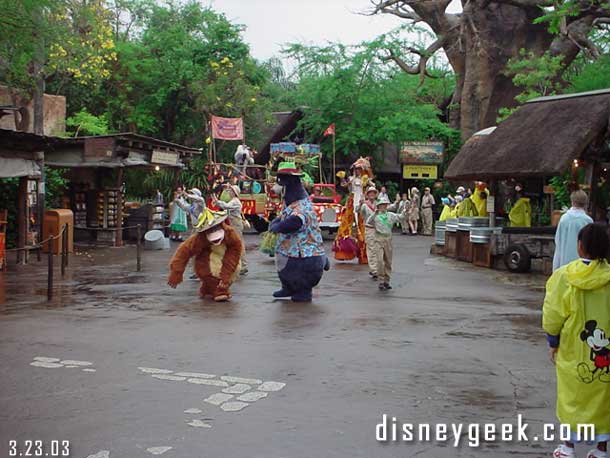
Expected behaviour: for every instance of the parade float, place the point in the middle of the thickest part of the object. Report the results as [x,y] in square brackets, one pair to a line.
[260,204]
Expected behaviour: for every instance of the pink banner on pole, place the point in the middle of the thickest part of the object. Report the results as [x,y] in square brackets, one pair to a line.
[227,128]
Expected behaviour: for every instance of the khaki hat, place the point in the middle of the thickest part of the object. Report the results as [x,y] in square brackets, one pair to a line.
[372,189]
[235,189]
[383,200]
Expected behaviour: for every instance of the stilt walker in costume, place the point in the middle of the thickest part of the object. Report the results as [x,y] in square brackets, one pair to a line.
[300,258]
[365,210]
[217,249]
[349,244]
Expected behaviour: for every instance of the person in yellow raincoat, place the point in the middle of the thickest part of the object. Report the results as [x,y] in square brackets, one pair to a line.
[466,208]
[455,202]
[446,213]
[479,198]
[521,213]
[576,318]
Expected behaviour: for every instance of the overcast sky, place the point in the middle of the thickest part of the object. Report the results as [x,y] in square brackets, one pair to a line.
[273,22]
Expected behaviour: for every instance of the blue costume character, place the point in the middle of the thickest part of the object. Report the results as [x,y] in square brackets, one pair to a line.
[299,254]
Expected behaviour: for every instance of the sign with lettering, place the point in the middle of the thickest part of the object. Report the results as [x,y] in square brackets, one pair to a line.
[418,172]
[164,157]
[421,153]
[491,204]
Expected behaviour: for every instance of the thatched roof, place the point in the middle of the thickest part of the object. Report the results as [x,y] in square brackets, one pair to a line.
[539,139]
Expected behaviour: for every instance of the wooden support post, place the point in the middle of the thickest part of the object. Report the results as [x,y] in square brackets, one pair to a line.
[50,269]
[493,192]
[64,249]
[67,258]
[118,238]
[22,220]
[139,248]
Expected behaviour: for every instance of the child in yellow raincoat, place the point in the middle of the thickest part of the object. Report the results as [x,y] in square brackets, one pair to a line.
[446,213]
[576,318]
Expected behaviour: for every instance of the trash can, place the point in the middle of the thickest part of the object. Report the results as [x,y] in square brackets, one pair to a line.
[155,240]
[54,221]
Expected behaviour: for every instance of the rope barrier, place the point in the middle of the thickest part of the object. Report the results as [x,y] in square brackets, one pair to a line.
[87,228]
[39,244]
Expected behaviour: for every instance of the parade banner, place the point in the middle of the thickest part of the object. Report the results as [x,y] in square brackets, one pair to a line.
[227,128]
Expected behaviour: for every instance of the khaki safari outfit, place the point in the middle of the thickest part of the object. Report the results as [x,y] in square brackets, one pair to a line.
[366,209]
[383,222]
[427,202]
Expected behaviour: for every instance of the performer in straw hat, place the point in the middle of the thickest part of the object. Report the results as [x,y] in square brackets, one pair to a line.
[217,248]
[234,208]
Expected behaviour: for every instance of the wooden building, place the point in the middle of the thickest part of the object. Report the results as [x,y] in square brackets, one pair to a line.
[22,157]
[96,166]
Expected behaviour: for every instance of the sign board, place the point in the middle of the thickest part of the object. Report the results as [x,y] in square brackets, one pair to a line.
[164,157]
[491,204]
[137,156]
[421,153]
[98,148]
[419,172]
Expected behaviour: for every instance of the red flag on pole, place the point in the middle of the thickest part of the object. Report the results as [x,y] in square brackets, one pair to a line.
[330,130]
[227,128]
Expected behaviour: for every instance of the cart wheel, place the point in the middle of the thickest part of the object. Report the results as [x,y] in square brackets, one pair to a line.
[517,258]
[259,224]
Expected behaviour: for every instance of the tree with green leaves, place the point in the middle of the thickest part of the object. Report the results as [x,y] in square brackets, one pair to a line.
[53,40]
[369,103]
[479,41]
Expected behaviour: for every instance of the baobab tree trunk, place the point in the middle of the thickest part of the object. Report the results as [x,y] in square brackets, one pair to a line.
[479,42]
[491,37]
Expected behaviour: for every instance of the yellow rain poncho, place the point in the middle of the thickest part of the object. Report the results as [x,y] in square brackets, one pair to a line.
[479,203]
[446,213]
[577,309]
[521,213]
[466,208]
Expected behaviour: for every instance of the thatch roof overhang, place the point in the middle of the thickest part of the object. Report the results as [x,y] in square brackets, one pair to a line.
[540,139]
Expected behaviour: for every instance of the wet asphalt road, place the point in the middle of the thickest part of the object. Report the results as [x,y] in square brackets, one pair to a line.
[450,343]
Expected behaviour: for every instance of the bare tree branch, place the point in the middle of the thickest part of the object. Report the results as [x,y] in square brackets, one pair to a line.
[432,12]
[526,3]
[574,40]
[396,8]
[424,55]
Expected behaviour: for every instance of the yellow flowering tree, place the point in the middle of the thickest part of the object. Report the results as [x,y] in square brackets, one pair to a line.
[53,41]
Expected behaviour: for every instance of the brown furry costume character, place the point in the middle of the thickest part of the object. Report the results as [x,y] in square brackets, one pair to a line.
[217,249]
